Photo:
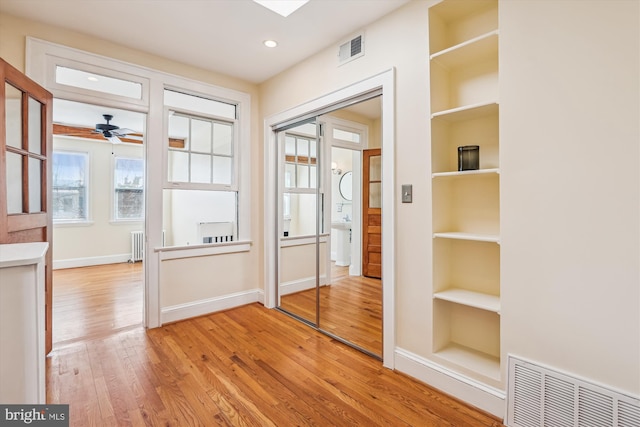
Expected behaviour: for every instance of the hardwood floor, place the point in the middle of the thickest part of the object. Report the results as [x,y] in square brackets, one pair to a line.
[96,301]
[249,366]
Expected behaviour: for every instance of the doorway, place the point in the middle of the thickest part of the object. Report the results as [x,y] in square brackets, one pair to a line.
[98,214]
[320,179]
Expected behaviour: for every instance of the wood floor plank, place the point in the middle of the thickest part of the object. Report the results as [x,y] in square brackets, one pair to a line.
[248,366]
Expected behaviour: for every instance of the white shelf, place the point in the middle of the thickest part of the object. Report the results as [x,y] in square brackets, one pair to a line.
[484,46]
[482,363]
[456,174]
[458,235]
[469,298]
[467,112]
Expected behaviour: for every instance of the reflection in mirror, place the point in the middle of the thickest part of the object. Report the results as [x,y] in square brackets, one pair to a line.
[35,185]
[35,125]
[299,245]
[346,189]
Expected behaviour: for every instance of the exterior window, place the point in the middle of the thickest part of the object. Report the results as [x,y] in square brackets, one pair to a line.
[70,198]
[129,189]
[201,191]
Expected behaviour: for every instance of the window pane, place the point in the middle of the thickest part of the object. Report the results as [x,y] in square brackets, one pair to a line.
[69,186]
[313,177]
[13,122]
[190,214]
[375,168]
[35,184]
[302,209]
[201,168]
[35,125]
[14,178]
[289,175]
[179,128]
[97,82]
[375,191]
[223,138]
[199,104]
[303,148]
[346,135]
[290,146]
[201,136]
[312,150]
[222,168]
[178,167]
[303,176]
[129,188]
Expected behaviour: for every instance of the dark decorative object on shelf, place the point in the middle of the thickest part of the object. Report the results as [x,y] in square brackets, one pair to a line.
[468,157]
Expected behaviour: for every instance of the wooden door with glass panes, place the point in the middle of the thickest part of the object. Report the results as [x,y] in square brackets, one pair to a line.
[372,213]
[25,151]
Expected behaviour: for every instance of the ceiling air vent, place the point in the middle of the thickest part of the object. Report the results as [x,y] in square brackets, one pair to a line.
[351,50]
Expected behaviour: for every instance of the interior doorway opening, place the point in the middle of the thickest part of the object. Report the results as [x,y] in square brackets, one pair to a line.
[98,171]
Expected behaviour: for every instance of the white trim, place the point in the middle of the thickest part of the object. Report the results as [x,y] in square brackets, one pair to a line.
[301,285]
[89,261]
[385,81]
[473,392]
[178,252]
[178,312]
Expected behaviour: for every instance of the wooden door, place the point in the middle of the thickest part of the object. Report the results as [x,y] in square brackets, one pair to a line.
[372,213]
[25,153]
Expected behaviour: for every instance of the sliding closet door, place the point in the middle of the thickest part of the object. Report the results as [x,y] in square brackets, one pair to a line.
[302,239]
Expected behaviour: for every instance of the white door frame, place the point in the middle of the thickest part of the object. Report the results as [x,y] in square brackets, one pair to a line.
[385,81]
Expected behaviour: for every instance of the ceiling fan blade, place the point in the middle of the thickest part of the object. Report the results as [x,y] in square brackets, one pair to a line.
[114,139]
[122,132]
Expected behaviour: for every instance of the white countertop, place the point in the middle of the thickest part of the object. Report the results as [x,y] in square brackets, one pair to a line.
[16,254]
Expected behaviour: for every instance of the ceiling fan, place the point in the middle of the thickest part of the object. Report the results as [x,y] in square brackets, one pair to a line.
[111,132]
[101,131]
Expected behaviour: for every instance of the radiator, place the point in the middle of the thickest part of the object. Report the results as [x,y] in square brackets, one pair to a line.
[542,397]
[137,246]
[216,232]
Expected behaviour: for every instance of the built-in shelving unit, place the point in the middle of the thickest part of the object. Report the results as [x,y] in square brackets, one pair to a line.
[466,204]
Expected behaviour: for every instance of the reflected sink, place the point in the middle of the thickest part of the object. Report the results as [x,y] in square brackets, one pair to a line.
[341,225]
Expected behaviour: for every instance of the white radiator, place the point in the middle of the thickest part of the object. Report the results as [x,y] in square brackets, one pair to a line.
[137,246]
[541,397]
[216,232]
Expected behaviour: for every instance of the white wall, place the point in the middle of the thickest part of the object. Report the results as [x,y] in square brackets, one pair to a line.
[101,240]
[569,180]
[569,104]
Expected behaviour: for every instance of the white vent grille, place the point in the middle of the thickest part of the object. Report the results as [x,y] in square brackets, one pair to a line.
[541,397]
[351,50]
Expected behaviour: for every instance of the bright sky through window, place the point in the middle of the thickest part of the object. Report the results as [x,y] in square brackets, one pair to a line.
[282,7]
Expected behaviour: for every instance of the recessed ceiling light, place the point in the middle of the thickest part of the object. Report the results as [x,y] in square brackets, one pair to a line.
[270,43]
[282,7]
[92,79]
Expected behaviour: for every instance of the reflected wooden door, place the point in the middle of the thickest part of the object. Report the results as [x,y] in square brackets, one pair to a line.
[25,151]
[372,213]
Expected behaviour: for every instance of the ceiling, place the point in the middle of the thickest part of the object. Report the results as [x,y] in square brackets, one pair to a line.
[225,36]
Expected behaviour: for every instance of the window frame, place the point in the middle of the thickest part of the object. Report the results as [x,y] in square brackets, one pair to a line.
[87,186]
[168,184]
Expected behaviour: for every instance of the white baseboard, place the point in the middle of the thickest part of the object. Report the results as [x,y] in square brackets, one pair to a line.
[87,262]
[300,285]
[207,306]
[474,393]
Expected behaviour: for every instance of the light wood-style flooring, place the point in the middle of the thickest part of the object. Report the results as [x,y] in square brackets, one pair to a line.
[95,301]
[248,366]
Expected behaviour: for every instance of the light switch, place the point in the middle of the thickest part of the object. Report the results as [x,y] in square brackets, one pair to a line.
[407,193]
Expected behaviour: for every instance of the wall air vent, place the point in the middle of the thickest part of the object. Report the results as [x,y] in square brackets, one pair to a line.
[541,397]
[351,50]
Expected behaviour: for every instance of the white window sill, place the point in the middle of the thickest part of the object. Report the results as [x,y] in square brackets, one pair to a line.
[177,252]
[126,221]
[61,224]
